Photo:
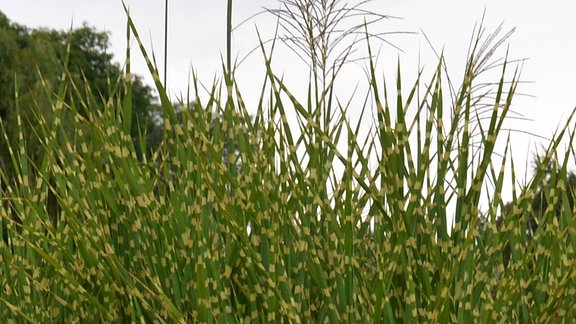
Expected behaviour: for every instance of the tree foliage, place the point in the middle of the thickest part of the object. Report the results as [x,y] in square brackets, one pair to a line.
[33,64]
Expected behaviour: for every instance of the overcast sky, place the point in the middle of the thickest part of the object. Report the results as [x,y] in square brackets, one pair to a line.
[545,34]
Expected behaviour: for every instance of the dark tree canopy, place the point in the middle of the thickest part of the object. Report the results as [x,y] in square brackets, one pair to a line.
[32,62]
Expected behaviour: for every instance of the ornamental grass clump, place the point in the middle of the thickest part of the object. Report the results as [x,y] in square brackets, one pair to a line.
[240,217]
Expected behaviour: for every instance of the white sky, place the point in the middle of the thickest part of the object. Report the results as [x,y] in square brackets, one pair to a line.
[545,34]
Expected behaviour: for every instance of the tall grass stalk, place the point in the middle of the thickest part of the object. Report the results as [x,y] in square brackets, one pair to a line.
[165,42]
[229,36]
[229,222]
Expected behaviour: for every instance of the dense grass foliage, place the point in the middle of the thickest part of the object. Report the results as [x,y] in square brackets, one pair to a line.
[240,218]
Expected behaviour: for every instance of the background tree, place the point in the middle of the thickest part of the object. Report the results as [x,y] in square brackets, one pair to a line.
[31,65]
